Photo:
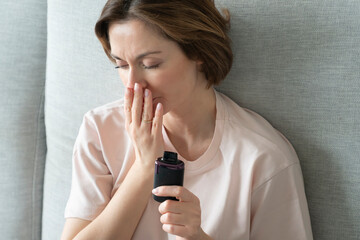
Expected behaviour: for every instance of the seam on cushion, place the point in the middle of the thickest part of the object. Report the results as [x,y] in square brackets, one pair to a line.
[36,162]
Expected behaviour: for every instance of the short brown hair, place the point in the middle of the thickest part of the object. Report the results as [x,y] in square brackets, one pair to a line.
[195,25]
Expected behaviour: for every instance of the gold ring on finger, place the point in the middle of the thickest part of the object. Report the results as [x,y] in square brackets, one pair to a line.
[147,121]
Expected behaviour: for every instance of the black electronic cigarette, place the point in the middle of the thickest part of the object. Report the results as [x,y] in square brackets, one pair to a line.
[169,170]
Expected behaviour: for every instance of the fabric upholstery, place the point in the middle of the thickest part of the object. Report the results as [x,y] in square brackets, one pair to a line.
[296,63]
[79,77]
[22,132]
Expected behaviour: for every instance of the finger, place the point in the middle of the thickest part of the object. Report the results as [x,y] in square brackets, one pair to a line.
[172,218]
[137,104]
[129,94]
[157,121]
[178,192]
[171,206]
[178,230]
[147,115]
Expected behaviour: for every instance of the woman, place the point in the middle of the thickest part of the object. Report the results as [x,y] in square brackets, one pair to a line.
[242,178]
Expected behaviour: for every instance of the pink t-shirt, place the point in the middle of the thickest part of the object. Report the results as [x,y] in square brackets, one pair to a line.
[249,180]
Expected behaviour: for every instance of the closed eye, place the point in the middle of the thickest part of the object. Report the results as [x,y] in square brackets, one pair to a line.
[124,65]
[150,67]
[121,66]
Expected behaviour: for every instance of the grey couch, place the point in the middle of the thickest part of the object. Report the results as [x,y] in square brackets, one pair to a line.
[296,63]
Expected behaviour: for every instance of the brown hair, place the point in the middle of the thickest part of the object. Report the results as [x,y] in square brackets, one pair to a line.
[195,25]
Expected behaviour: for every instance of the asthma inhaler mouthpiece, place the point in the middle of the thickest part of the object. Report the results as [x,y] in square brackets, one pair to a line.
[170,157]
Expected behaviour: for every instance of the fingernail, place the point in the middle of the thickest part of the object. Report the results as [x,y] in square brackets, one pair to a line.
[158,106]
[136,86]
[155,191]
[146,92]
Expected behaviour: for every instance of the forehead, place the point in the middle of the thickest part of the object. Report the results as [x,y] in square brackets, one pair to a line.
[133,37]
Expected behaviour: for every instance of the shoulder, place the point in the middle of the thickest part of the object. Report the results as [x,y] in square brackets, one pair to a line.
[260,150]
[245,120]
[107,116]
[104,124]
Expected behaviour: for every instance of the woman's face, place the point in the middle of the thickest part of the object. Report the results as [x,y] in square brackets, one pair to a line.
[156,63]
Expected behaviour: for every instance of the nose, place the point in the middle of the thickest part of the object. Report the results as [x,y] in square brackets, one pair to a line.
[134,76]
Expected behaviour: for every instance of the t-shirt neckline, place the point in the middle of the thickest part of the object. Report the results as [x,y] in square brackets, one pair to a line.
[206,158]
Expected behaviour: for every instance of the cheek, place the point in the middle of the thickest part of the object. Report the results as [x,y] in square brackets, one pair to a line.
[160,79]
[182,75]
[167,83]
[183,71]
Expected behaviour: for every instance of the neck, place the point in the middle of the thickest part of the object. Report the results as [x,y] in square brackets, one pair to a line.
[191,127]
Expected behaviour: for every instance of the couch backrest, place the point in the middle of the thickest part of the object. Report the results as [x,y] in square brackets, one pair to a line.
[78,78]
[22,132]
[296,64]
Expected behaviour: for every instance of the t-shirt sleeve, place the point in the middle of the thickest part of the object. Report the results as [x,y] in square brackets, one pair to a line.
[279,208]
[92,181]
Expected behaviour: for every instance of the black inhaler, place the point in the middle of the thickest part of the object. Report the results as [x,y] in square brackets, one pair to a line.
[168,171]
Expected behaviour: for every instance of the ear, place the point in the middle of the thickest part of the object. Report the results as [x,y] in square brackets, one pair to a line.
[199,64]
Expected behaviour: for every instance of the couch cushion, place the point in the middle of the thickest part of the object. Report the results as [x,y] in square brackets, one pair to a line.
[296,63]
[22,132]
[79,77]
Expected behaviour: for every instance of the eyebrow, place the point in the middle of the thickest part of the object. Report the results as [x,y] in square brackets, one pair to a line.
[139,56]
